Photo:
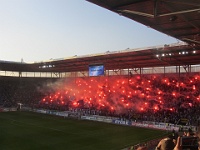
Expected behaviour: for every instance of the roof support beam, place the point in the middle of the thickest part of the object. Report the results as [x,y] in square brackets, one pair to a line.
[136,13]
[172,8]
[190,40]
[155,12]
[179,12]
[155,8]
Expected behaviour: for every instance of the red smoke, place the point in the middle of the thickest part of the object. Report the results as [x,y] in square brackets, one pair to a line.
[123,93]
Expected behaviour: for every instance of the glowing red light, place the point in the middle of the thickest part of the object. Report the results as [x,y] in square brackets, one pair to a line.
[156,108]
[119,94]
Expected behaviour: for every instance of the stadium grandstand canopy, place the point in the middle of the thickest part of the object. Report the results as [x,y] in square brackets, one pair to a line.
[179,19]
[166,55]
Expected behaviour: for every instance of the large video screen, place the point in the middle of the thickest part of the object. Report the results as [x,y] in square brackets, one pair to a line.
[96,70]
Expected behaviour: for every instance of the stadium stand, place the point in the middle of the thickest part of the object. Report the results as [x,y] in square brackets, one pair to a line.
[148,98]
[128,93]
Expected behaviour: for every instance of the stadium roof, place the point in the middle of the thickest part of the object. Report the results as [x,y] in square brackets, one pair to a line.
[177,18]
[167,55]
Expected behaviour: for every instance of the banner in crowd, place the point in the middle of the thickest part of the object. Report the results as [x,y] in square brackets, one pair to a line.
[122,122]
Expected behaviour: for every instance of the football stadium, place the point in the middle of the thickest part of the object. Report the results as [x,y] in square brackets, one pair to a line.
[121,100]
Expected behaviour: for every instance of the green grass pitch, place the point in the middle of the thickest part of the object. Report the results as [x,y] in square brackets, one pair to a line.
[33,131]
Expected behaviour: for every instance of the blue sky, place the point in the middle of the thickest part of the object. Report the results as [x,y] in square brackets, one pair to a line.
[38,30]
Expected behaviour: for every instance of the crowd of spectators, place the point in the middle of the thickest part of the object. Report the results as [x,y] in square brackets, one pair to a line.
[14,90]
[148,97]
[160,98]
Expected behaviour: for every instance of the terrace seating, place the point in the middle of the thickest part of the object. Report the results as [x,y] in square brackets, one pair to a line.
[147,97]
